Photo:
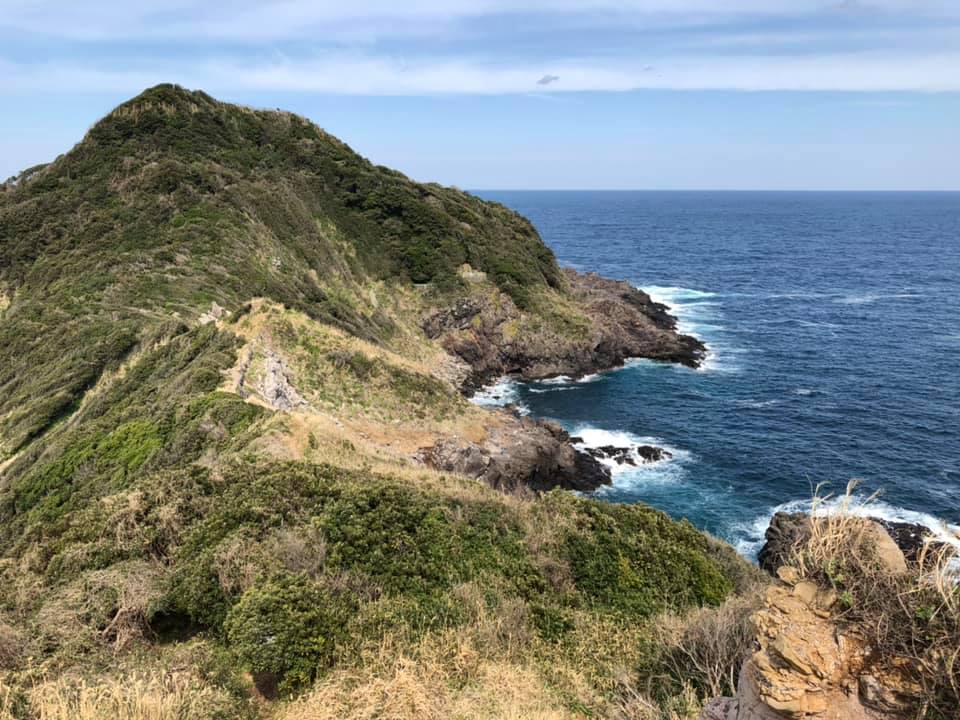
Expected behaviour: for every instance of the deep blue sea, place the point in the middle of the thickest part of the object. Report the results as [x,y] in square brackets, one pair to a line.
[833,323]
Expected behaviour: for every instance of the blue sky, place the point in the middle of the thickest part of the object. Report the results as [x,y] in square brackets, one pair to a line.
[728,94]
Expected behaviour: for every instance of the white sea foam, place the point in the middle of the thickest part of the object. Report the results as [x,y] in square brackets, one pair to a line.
[698,313]
[756,403]
[558,380]
[501,393]
[867,298]
[802,391]
[750,535]
[669,470]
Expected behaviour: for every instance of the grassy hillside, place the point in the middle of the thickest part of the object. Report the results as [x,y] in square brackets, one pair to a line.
[212,381]
[175,201]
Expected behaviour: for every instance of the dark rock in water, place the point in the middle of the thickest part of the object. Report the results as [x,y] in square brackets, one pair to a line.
[525,452]
[576,440]
[784,532]
[652,453]
[787,530]
[625,455]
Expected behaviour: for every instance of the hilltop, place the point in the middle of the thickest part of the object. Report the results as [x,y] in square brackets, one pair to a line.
[237,458]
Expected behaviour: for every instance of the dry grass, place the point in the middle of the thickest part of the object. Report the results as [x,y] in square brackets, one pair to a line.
[634,705]
[492,668]
[704,649]
[910,619]
[134,697]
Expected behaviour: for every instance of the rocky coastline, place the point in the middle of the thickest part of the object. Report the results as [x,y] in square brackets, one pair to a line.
[622,323]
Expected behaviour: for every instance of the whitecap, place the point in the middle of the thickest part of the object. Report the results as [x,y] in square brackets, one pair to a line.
[756,403]
[802,391]
[503,392]
[867,298]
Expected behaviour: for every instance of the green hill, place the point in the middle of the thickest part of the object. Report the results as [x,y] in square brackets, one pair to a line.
[214,374]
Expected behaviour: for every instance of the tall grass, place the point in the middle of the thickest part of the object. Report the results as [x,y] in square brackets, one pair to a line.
[143,697]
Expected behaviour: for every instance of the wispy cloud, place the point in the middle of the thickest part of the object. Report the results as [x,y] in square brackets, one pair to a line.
[381,47]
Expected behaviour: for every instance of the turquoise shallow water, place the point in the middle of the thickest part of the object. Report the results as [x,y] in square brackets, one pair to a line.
[833,321]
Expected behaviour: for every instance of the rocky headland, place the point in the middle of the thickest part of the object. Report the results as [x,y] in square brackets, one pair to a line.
[615,322]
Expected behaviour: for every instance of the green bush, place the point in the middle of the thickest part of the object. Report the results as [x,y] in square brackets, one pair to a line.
[285,631]
[637,560]
[407,541]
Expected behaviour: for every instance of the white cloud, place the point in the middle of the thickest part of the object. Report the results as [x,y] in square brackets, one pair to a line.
[246,45]
[367,75]
[255,20]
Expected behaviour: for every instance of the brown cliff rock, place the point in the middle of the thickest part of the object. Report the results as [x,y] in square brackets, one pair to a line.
[809,664]
[616,322]
[524,452]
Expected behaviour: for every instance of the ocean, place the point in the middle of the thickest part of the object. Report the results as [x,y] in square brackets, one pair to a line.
[833,324]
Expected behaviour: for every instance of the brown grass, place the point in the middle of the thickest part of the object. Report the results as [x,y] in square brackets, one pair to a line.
[486,670]
[493,667]
[133,697]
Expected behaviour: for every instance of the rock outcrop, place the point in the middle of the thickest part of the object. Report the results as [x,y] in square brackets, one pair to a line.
[620,322]
[536,454]
[634,455]
[807,664]
[787,530]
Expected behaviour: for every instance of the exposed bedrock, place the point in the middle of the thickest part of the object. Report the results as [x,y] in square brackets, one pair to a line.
[807,662]
[619,322]
[536,454]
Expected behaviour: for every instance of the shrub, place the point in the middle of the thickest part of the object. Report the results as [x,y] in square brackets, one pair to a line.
[635,559]
[284,632]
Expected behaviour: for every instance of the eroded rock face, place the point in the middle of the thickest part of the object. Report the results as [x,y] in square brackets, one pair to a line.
[807,664]
[624,323]
[536,454]
[275,386]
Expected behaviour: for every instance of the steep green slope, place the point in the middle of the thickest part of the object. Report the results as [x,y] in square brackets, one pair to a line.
[150,515]
[175,201]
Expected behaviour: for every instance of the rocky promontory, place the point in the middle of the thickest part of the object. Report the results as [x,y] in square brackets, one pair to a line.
[606,323]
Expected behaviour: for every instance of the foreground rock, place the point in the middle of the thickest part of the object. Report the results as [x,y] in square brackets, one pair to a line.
[536,454]
[807,665]
[787,530]
[619,322]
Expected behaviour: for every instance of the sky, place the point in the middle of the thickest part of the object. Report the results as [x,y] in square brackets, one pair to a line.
[528,94]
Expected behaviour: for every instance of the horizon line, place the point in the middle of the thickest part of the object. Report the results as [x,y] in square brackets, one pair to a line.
[931,191]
